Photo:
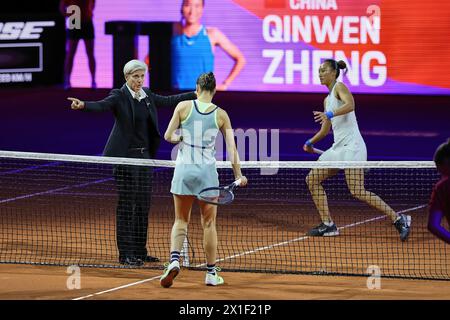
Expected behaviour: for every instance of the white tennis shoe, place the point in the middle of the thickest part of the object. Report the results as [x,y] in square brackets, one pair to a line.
[170,273]
[214,279]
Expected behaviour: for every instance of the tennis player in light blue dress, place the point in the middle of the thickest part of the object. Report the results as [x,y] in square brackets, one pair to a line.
[193,48]
[348,145]
[195,168]
[199,122]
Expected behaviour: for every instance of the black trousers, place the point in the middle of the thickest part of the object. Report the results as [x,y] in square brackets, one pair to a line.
[134,186]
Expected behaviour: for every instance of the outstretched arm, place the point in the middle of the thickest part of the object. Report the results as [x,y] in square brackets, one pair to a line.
[172,101]
[107,104]
[233,51]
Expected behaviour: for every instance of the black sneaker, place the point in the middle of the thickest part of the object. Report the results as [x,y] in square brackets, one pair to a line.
[131,261]
[403,226]
[147,258]
[322,230]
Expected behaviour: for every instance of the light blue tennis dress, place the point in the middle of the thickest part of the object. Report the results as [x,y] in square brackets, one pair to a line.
[191,56]
[195,166]
[348,143]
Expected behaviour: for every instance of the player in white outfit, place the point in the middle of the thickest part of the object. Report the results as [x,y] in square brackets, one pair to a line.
[195,169]
[348,145]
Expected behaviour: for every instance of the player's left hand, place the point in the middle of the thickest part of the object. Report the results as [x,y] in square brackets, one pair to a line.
[320,117]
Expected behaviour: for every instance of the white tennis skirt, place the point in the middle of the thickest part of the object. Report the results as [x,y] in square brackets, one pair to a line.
[355,151]
[190,179]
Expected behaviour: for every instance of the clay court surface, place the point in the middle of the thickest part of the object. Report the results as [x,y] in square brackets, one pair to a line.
[50,283]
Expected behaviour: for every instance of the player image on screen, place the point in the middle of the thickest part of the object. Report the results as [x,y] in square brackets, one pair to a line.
[195,170]
[339,114]
[193,46]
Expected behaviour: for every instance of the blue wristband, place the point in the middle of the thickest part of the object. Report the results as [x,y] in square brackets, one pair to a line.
[329,114]
[308,143]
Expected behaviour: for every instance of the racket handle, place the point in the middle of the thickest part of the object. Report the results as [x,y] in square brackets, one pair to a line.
[318,151]
[237,183]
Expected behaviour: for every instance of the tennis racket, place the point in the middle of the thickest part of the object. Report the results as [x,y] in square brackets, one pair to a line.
[318,151]
[219,195]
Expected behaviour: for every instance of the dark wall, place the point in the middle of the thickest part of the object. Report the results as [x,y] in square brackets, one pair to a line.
[30,6]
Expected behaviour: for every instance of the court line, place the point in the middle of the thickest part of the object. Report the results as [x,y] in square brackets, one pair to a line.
[51,164]
[61,189]
[30,168]
[118,288]
[250,252]
[53,190]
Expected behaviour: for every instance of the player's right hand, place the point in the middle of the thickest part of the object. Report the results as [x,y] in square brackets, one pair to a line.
[76,103]
[308,149]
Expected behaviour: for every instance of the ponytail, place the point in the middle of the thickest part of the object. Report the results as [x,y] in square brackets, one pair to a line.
[337,65]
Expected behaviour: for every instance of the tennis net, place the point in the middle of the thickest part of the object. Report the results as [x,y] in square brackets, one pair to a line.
[62,210]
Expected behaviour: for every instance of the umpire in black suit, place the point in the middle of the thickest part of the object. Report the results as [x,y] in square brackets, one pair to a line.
[135,135]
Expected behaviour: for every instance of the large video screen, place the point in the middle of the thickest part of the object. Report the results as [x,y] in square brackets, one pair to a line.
[389,46]
[31,50]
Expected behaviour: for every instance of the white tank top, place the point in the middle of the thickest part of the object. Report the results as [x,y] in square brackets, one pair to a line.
[345,127]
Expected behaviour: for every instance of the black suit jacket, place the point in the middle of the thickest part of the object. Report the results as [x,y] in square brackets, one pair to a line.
[120,102]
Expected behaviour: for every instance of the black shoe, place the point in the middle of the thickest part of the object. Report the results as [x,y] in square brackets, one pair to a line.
[403,225]
[322,230]
[150,259]
[131,261]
